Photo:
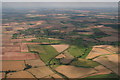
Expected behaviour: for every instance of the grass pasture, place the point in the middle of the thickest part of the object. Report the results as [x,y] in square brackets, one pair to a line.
[84,63]
[104,76]
[79,51]
[46,52]
[75,51]
[45,40]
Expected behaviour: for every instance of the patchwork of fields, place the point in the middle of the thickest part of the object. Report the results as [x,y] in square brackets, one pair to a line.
[53,58]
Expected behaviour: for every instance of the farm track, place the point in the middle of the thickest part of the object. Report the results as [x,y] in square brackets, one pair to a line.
[65,77]
[38,66]
[49,65]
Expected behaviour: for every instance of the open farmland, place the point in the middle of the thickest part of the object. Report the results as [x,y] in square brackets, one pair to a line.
[102,70]
[75,72]
[109,38]
[102,50]
[75,51]
[56,76]
[10,49]
[46,52]
[41,71]
[45,40]
[108,30]
[13,65]
[110,64]
[2,75]
[18,56]
[67,59]
[56,42]
[110,76]
[79,51]
[84,63]
[114,58]
[35,63]
[24,47]
[61,47]
[20,74]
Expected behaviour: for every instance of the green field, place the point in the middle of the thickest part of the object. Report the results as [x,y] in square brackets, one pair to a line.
[79,51]
[86,52]
[104,76]
[84,63]
[55,63]
[45,40]
[46,52]
[75,51]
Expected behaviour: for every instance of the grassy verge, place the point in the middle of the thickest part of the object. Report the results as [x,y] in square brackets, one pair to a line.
[104,76]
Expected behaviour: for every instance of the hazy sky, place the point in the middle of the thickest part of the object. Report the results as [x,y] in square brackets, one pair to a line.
[57,4]
[59,0]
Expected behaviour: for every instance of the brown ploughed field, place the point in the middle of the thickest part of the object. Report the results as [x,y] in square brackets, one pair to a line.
[75,72]
[13,65]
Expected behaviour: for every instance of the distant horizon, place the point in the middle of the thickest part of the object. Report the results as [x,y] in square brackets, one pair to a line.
[60,0]
[29,5]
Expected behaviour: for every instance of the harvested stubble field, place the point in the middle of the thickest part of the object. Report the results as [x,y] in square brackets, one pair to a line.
[56,76]
[75,72]
[16,40]
[7,43]
[89,39]
[29,39]
[24,47]
[112,49]
[10,49]
[101,50]
[13,65]
[18,56]
[102,70]
[20,74]
[41,71]
[114,58]
[35,63]
[61,47]
[112,65]
[109,38]
[67,59]
[108,30]
[2,75]
[60,56]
